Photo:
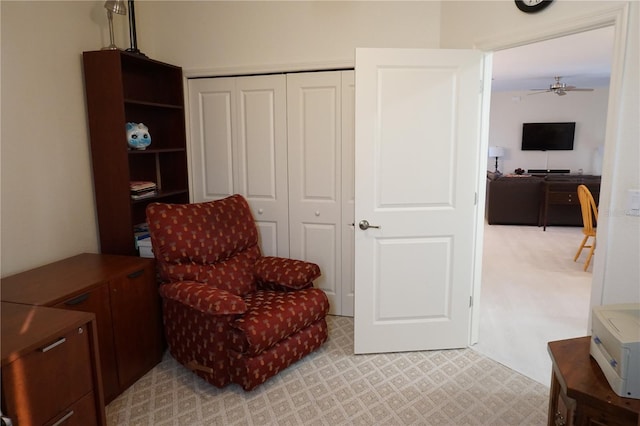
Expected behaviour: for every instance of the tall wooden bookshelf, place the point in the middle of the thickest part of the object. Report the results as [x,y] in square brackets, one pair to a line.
[125,87]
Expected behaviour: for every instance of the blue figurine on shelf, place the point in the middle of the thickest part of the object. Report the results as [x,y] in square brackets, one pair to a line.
[138,136]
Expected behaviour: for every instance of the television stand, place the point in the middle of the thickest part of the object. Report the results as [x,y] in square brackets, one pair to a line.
[548,171]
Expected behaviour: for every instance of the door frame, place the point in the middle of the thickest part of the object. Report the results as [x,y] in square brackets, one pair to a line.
[616,16]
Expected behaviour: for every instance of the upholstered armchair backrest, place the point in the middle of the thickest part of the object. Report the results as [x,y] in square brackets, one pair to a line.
[213,242]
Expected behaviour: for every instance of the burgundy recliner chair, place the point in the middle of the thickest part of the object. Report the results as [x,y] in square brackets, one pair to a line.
[230,314]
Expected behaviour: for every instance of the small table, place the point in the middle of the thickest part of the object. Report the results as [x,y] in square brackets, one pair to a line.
[580,394]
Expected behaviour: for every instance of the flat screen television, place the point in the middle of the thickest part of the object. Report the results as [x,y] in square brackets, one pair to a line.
[548,136]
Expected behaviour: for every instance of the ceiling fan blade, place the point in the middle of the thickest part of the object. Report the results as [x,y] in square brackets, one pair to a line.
[538,91]
[576,89]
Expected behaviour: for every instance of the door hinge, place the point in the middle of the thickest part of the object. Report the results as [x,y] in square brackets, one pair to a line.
[481,86]
[471,301]
[475,199]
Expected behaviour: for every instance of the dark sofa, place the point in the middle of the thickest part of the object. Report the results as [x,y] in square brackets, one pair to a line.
[513,200]
[519,200]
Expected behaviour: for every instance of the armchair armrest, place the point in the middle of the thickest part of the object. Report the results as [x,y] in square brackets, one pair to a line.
[288,273]
[203,298]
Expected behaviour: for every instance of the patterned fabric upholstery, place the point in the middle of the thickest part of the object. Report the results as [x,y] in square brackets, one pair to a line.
[214,243]
[231,315]
[288,273]
[273,315]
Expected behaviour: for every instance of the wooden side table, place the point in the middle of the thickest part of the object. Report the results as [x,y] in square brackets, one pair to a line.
[580,394]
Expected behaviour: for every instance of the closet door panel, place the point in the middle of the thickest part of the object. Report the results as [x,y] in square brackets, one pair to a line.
[262,157]
[314,146]
[212,102]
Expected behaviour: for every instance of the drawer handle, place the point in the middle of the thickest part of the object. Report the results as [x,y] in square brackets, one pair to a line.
[136,274]
[54,344]
[77,300]
[560,420]
[62,420]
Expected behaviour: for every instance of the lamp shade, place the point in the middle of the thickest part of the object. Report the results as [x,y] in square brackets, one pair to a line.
[116,6]
[496,151]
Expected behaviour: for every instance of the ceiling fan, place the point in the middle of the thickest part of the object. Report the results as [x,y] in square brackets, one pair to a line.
[560,88]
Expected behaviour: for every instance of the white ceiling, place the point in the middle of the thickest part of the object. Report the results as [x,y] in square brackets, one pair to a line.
[582,60]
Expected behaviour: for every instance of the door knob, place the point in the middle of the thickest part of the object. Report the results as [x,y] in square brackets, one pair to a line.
[364,225]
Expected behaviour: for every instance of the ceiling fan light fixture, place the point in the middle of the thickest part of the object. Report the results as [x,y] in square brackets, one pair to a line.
[560,88]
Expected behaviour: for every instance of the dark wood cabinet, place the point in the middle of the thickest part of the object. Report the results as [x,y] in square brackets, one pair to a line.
[121,291]
[50,372]
[123,87]
[580,393]
[560,200]
[96,300]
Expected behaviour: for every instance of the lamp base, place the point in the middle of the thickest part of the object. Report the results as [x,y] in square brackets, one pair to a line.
[135,51]
[112,44]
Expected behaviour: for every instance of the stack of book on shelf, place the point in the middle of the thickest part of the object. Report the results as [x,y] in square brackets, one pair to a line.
[142,189]
[143,240]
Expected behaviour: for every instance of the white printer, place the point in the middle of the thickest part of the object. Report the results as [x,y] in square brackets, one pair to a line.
[615,345]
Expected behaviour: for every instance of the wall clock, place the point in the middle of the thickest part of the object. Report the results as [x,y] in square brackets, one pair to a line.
[532,6]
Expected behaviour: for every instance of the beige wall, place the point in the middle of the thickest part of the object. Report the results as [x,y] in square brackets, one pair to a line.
[616,269]
[510,109]
[46,188]
[47,197]
[212,34]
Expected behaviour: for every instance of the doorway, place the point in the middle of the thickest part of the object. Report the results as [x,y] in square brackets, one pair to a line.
[532,291]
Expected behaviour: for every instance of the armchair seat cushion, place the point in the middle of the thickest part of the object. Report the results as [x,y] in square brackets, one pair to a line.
[273,316]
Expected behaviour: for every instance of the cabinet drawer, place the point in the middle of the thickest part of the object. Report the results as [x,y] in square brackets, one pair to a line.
[563,198]
[82,413]
[97,301]
[43,383]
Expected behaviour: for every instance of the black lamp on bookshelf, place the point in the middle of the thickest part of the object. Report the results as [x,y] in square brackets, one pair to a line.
[132,31]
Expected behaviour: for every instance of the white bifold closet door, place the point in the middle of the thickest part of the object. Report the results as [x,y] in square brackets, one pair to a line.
[285,142]
[238,145]
[320,141]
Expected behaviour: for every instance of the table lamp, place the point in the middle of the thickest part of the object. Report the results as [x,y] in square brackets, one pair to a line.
[118,7]
[496,151]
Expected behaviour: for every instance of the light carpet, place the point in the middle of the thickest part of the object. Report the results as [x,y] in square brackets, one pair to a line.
[334,387]
[532,293]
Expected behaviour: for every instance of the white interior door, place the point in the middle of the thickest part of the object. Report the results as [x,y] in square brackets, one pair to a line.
[348,190]
[239,145]
[417,154]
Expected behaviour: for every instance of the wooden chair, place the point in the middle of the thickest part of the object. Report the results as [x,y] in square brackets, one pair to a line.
[589,220]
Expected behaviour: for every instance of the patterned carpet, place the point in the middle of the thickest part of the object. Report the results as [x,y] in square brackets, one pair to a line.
[335,387]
